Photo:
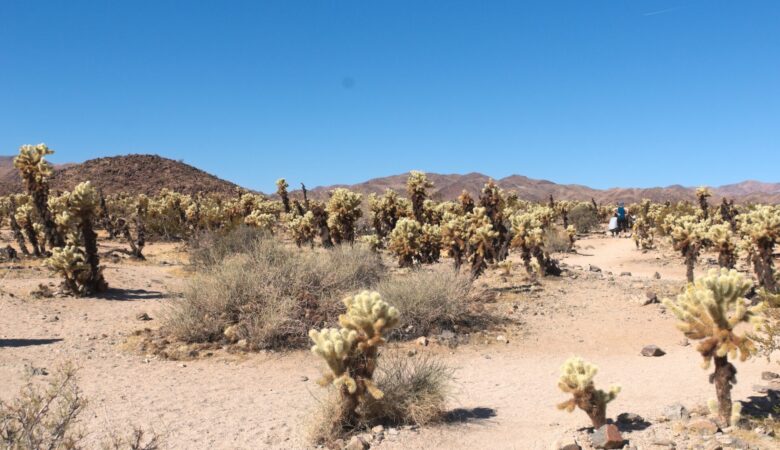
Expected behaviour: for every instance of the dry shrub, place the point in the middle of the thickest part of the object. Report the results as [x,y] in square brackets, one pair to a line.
[556,240]
[269,294]
[212,247]
[46,417]
[416,391]
[428,300]
[584,218]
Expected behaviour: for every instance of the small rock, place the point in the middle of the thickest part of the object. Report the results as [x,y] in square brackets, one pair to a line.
[652,350]
[684,342]
[625,274]
[657,276]
[502,338]
[422,341]
[676,412]
[304,378]
[143,316]
[378,429]
[663,442]
[392,432]
[593,268]
[769,376]
[356,443]
[607,436]
[652,297]
[703,426]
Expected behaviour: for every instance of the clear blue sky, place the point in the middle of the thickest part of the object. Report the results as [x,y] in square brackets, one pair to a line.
[599,92]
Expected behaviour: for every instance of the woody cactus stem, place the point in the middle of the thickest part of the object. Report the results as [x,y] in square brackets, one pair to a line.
[35,171]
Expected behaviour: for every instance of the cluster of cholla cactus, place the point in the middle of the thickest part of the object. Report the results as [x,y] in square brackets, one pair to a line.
[343,210]
[761,229]
[351,352]
[642,230]
[78,261]
[406,242]
[577,380]
[263,221]
[302,228]
[689,236]
[35,172]
[528,229]
[710,311]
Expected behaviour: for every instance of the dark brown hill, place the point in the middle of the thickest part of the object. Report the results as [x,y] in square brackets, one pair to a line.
[133,174]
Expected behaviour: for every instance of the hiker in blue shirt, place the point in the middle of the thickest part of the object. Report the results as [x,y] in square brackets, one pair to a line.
[622,218]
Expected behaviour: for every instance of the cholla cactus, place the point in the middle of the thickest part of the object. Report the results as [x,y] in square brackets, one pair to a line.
[24,216]
[303,229]
[643,233]
[482,236]
[528,228]
[386,211]
[709,311]
[761,229]
[406,242]
[373,242]
[8,208]
[70,263]
[122,227]
[728,213]
[352,351]
[455,237]
[492,201]
[417,186]
[689,235]
[343,212]
[702,194]
[82,206]
[466,202]
[571,233]
[261,220]
[35,172]
[281,191]
[577,379]
[723,240]
[430,244]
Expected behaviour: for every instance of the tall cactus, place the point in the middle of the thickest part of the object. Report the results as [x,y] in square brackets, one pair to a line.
[709,311]
[281,190]
[702,194]
[8,207]
[417,186]
[689,236]
[351,352]
[577,379]
[761,228]
[35,172]
[406,242]
[343,213]
[723,240]
[81,267]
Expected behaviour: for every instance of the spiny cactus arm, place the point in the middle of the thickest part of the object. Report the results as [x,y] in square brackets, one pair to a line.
[335,346]
[367,312]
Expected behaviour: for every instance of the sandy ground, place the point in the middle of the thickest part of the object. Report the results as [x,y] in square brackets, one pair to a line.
[507,392]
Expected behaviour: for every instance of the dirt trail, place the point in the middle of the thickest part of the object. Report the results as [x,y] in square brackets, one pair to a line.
[508,391]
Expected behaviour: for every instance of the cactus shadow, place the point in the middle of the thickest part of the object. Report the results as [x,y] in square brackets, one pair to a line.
[761,406]
[466,415]
[130,294]
[14,343]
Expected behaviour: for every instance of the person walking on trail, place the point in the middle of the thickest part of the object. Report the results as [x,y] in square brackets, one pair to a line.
[622,218]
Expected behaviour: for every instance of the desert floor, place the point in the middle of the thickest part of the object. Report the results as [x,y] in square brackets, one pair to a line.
[505,392]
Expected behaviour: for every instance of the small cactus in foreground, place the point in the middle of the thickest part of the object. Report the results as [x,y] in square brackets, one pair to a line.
[577,379]
[709,311]
[351,352]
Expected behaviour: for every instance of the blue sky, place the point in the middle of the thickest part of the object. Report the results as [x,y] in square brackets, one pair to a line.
[598,92]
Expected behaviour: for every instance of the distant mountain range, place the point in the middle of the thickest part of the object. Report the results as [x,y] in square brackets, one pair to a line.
[148,174]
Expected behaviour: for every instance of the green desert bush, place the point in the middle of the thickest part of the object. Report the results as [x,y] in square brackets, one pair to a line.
[430,300]
[268,293]
[584,217]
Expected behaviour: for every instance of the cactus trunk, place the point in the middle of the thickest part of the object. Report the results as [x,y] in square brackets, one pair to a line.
[723,377]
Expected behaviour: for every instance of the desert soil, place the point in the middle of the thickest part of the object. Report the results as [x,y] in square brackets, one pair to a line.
[505,393]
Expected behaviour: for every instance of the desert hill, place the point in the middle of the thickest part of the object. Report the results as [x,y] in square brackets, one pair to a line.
[135,174]
[448,187]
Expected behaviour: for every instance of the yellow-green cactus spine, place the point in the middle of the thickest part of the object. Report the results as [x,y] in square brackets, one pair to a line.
[709,311]
[577,379]
[351,352]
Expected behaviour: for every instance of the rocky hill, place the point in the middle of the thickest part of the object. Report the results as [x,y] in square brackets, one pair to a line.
[134,174]
[448,187]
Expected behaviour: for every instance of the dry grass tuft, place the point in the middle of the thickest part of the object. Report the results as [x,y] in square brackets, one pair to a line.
[428,300]
[261,291]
